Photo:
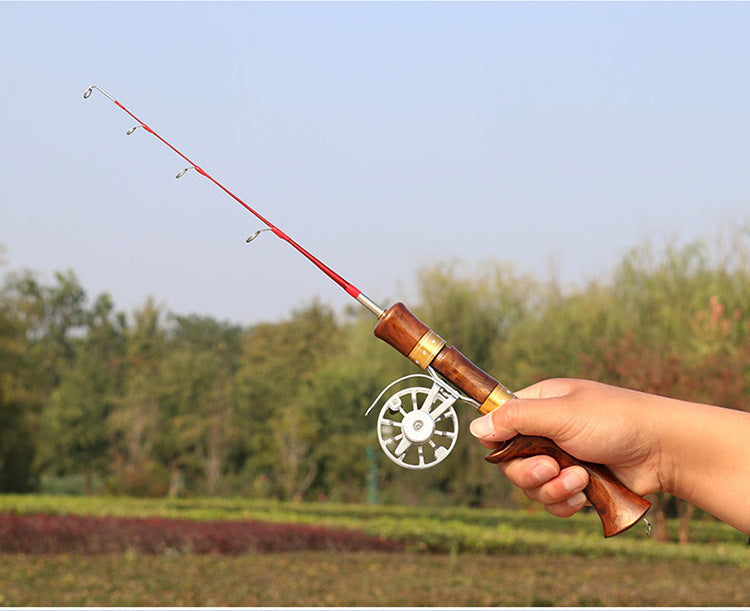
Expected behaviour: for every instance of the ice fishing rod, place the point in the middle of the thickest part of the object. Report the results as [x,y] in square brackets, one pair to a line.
[417,425]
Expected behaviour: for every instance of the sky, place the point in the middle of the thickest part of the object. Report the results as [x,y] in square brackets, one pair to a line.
[384,137]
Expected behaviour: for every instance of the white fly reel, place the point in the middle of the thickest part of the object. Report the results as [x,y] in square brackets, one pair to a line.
[418,426]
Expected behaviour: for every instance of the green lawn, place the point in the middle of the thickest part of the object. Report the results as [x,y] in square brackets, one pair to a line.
[366,579]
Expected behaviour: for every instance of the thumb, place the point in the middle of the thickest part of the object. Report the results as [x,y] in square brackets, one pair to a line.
[545,417]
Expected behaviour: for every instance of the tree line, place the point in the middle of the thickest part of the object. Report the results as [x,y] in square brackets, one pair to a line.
[157,403]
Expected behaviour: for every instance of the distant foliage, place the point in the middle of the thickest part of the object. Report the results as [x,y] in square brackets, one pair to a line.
[159,404]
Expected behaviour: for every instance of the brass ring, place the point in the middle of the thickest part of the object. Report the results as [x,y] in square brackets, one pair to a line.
[499,396]
[426,349]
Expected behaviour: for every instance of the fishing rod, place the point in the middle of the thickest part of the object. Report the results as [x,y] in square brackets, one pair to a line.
[417,425]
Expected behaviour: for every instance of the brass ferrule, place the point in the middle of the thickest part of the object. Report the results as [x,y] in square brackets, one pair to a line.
[426,349]
[499,396]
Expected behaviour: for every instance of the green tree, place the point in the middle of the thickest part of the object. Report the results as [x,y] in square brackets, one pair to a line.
[278,366]
[135,419]
[53,316]
[17,406]
[338,397]
[198,410]
[40,331]
[74,436]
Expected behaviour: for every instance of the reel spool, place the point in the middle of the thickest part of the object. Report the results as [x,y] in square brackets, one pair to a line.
[417,426]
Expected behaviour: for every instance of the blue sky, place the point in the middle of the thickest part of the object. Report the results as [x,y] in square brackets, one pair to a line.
[384,137]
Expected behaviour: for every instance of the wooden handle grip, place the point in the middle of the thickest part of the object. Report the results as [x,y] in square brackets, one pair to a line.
[618,507]
[402,330]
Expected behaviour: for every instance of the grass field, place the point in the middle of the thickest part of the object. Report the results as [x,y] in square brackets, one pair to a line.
[365,579]
[453,557]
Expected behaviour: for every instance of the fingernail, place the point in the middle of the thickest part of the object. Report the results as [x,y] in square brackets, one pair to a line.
[481,427]
[543,472]
[574,481]
[577,501]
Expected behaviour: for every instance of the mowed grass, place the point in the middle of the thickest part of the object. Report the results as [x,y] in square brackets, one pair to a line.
[365,579]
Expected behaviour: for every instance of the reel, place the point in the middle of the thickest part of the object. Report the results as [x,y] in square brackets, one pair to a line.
[418,426]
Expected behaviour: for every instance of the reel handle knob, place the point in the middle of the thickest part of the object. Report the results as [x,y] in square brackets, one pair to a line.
[618,507]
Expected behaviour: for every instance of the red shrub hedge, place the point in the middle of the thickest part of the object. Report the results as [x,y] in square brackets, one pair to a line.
[50,534]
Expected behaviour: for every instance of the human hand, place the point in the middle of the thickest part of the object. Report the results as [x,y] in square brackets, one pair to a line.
[594,422]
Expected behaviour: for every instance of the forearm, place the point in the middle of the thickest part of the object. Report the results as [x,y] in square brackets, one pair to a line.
[706,458]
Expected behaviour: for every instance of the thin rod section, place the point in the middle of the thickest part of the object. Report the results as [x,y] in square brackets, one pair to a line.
[347,286]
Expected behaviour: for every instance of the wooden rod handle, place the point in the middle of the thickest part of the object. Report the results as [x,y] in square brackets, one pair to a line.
[618,507]
[402,330]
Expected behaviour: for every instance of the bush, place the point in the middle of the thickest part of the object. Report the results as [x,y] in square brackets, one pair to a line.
[51,534]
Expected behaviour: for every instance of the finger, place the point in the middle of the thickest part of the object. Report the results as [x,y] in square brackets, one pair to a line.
[528,473]
[568,507]
[560,489]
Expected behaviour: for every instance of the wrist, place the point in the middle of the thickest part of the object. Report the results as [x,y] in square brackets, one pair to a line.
[666,420]
[701,458]
[681,454]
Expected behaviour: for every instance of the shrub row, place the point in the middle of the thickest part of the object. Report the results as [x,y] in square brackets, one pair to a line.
[53,534]
[420,529]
